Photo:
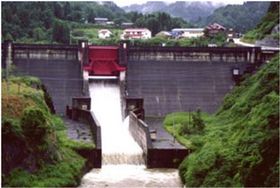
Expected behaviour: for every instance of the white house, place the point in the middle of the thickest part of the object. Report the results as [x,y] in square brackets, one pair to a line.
[136,33]
[104,33]
[101,21]
[189,32]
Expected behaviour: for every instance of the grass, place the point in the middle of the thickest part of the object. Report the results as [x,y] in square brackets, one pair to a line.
[65,141]
[65,173]
[47,161]
[175,124]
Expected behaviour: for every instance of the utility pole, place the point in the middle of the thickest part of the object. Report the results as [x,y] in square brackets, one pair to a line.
[8,62]
[173,130]
[189,118]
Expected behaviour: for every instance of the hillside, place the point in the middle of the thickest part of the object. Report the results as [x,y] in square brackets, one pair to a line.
[53,22]
[47,22]
[36,151]
[232,147]
[267,29]
[188,10]
[239,17]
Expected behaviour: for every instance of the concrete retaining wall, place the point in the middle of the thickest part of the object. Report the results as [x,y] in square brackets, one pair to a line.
[140,132]
[95,155]
[154,157]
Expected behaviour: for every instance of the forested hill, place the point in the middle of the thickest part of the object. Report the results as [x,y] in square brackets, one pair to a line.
[51,22]
[268,28]
[188,10]
[24,20]
[240,17]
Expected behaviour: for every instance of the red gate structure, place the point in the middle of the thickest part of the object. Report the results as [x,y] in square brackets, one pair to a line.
[103,61]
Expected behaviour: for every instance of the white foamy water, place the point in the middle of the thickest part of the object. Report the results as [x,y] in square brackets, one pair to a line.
[118,146]
[133,176]
[122,161]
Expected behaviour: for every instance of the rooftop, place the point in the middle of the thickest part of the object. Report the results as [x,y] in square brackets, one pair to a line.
[187,29]
[101,19]
[215,26]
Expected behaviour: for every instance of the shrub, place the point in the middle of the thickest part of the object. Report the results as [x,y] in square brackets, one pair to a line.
[198,123]
[11,128]
[34,125]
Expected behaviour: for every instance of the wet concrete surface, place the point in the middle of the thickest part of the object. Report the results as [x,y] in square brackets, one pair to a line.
[78,131]
[163,138]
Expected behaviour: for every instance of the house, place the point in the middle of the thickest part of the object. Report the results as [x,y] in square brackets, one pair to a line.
[214,29]
[187,32]
[100,21]
[231,33]
[110,23]
[104,33]
[136,33]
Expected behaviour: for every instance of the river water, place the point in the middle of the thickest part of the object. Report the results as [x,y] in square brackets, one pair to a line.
[122,157]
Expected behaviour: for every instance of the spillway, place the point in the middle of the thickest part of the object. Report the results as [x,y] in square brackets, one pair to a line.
[122,157]
[118,146]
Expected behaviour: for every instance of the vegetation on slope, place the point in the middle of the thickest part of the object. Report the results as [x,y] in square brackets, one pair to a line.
[219,40]
[91,34]
[35,148]
[264,28]
[52,22]
[239,145]
[239,17]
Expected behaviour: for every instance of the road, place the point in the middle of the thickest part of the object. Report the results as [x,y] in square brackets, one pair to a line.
[237,41]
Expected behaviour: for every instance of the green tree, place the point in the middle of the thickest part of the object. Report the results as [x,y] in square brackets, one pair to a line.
[61,32]
[38,34]
[91,15]
[198,123]
[34,125]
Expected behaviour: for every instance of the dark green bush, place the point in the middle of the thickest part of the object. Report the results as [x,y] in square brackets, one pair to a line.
[10,128]
[34,125]
[198,123]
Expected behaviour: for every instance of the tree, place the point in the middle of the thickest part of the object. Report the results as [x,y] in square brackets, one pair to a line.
[197,120]
[61,32]
[91,15]
[38,34]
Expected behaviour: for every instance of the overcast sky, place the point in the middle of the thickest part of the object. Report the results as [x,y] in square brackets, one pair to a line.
[122,3]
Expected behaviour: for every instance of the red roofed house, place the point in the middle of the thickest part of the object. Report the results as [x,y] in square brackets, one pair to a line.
[214,29]
[136,33]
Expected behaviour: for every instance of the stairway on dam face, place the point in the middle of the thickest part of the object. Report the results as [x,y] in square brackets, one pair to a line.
[62,78]
[179,86]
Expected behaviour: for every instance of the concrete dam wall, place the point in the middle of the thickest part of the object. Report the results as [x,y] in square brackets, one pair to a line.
[172,86]
[58,68]
[195,54]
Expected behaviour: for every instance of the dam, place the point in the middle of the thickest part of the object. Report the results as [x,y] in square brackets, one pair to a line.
[124,92]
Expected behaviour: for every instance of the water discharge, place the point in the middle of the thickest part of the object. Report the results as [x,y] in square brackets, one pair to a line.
[122,157]
[118,146]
